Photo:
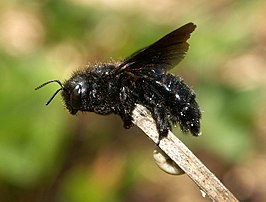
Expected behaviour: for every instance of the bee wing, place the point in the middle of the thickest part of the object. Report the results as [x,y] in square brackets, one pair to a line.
[163,54]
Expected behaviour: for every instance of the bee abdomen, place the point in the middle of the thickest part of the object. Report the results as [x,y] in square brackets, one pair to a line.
[181,104]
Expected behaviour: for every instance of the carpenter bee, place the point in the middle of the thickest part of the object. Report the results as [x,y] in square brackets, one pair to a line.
[139,79]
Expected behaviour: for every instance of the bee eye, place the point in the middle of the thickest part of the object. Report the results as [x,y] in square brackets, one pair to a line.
[75,97]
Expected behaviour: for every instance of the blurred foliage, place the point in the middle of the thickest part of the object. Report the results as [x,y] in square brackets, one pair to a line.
[47,155]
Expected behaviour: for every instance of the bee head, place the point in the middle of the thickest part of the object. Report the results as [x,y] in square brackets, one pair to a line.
[72,93]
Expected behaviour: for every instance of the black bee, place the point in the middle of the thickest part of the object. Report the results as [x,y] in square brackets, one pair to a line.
[139,79]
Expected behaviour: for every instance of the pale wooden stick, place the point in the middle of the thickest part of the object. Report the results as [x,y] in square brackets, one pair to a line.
[207,182]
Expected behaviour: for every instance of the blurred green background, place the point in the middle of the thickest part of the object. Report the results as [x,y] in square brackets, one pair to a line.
[48,155]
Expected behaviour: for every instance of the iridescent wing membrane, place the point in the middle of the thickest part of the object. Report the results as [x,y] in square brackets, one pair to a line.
[162,55]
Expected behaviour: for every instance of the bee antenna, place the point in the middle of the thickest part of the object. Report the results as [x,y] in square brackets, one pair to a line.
[51,81]
[48,102]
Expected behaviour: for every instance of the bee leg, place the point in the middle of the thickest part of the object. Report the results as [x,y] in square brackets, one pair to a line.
[162,123]
[126,107]
[126,118]
[155,102]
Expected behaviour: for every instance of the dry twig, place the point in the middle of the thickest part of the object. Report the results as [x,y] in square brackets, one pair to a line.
[207,182]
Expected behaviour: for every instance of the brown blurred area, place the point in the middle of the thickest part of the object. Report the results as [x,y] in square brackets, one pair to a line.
[48,155]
